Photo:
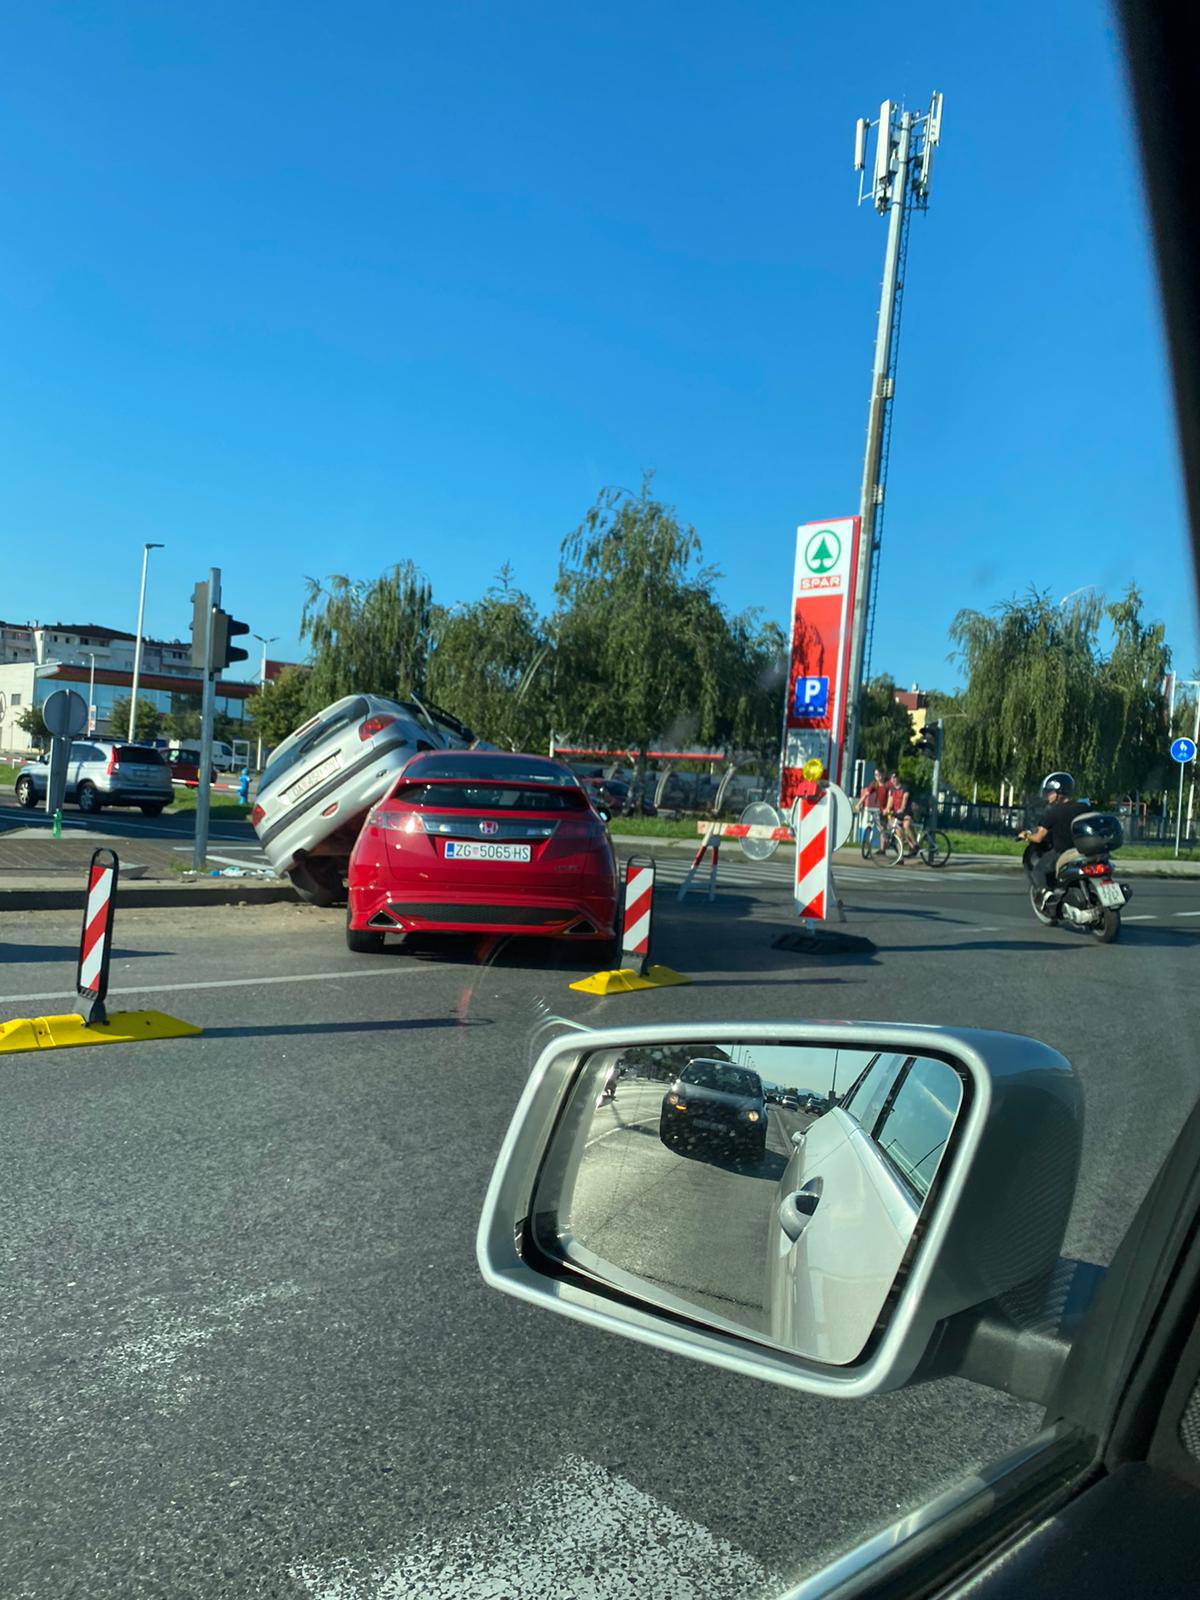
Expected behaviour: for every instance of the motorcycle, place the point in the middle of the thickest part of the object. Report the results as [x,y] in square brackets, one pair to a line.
[1083,892]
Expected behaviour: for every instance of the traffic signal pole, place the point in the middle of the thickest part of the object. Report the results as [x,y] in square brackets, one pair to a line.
[203,790]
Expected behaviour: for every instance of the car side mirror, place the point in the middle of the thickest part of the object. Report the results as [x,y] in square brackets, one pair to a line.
[684,1211]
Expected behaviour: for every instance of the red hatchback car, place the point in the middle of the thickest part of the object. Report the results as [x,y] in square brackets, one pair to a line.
[480,841]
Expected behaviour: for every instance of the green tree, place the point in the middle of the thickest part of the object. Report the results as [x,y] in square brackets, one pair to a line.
[148,719]
[368,638]
[492,666]
[1132,752]
[638,657]
[1041,693]
[752,667]
[29,720]
[887,728]
[182,721]
[281,705]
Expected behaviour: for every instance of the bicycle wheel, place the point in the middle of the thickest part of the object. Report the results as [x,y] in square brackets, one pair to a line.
[893,848]
[935,847]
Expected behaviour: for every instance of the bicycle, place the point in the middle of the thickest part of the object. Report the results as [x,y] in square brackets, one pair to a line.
[873,841]
[932,845]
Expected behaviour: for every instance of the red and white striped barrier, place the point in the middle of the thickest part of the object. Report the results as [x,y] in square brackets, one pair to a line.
[95,942]
[815,897]
[710,841]
[639,905]
[743,830]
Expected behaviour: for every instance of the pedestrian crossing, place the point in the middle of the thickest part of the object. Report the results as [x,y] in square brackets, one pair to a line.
[776,874]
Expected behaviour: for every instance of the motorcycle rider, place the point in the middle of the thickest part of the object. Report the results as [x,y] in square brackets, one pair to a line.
[1053,829]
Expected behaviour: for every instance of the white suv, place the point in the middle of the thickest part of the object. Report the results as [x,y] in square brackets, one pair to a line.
[103,772]
[323,779]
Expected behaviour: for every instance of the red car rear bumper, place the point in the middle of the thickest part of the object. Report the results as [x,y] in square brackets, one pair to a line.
[443,909]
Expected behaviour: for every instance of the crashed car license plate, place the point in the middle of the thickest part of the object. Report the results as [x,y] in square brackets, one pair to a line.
[311,779]
[468,850]
[1110,894]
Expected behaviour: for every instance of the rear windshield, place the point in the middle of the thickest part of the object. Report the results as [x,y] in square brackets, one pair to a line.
[297,745]
[723,1076]
[490,797]
[138,755]
[470,764]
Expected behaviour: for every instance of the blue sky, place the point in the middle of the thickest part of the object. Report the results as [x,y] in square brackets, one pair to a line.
[301,289]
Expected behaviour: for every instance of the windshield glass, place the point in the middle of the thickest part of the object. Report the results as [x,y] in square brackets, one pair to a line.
[309,738]
[489,797]
[773,470]
[719,1075]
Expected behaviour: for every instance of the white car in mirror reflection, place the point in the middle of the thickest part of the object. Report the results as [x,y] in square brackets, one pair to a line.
[849,1202]
[715,1105]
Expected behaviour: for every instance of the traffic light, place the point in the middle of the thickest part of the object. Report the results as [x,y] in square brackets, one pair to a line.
[927,741]
[200,610]
[226,628]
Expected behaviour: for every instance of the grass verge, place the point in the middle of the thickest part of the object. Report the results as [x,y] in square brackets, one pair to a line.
[227,807]
[654,828]
[986,844]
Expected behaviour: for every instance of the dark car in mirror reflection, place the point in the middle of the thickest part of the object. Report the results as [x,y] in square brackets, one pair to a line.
[715,1104]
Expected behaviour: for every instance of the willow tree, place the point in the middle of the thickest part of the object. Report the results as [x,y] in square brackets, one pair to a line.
[639,652]
[1034,697]
[492,665]
[1042,693]
[1133,727]
[368,638]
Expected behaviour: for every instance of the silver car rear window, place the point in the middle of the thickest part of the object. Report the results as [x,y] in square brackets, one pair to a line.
[308,738]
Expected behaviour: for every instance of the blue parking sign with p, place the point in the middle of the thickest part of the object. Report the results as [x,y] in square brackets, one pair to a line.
[812,698]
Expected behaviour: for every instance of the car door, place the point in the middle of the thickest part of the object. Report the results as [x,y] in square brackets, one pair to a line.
[849,1202]
[81,756]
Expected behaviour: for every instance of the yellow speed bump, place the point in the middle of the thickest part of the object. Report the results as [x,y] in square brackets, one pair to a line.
[66,1032]
[622,980]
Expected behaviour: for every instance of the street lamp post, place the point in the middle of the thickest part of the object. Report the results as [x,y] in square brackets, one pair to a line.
[91,655]
[262,680]
[137,648]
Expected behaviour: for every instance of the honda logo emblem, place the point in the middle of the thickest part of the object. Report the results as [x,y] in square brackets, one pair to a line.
[489,827]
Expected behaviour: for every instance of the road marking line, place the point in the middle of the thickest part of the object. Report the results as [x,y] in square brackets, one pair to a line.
[1146,916]
[576,1530]
[225,983]
[1187,913]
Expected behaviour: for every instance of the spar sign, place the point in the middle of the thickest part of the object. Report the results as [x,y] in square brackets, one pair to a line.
[822,598]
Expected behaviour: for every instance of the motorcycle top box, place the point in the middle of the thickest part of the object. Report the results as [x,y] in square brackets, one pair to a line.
[1095,833]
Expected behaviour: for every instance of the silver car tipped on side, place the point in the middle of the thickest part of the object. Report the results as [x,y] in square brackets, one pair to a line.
[322,780]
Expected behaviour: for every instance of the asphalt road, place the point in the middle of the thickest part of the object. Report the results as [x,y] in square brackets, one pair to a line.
[246,1349]
[127,822]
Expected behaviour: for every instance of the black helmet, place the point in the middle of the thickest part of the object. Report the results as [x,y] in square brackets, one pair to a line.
[1059,783]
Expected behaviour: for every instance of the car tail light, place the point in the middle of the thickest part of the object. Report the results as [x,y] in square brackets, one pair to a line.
[381,818]
[256,816]
[112,764]
[373,725]
[1097,869]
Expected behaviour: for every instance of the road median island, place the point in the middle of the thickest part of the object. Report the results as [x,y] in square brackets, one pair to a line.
[40,873]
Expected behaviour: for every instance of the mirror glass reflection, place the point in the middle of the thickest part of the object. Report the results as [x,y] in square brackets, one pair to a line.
[772,1188]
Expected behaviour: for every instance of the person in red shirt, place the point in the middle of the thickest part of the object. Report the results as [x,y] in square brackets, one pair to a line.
[899,806]
[873,801]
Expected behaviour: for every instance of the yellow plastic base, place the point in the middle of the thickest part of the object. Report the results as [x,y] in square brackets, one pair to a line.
[622,980]
[65,1032]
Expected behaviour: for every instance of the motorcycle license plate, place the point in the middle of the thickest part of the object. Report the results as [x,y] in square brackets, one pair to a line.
[1110,894]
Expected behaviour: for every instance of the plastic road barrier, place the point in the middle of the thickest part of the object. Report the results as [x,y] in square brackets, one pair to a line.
[91,976]
[635,971]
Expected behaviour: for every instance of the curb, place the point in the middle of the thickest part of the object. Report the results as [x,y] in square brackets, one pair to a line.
[142,896]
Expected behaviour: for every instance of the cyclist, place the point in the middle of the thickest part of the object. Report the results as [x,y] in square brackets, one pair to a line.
[899,808]
[1053,830]
[871,803]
